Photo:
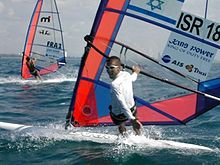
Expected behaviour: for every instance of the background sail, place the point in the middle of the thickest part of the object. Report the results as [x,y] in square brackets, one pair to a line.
[132,23]
[44,40]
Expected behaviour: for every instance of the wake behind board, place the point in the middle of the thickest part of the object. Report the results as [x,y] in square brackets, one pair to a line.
[135,140]
[104,138]
[17,80]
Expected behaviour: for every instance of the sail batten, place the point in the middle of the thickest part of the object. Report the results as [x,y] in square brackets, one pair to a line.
[49,12]
[59,30]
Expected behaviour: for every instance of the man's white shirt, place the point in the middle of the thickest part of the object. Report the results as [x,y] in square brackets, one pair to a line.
[122,94]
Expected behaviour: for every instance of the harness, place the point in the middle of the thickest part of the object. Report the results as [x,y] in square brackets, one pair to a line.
[31,67]
[121,117]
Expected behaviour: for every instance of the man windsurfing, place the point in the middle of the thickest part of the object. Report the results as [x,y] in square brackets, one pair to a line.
[123,106]
[31,66]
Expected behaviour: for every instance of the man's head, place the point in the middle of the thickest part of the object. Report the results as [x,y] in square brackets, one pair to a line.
[28,58]
[113,66]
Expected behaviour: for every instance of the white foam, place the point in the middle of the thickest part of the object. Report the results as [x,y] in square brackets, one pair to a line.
[32,81]
[80,134]
[132,140]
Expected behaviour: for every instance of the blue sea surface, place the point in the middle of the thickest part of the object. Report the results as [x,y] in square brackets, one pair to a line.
[45,104]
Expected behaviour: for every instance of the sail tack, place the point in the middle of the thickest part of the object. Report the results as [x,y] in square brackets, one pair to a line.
[44,40]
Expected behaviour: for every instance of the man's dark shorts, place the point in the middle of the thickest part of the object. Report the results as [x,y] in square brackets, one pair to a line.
[119,119]
[34,73]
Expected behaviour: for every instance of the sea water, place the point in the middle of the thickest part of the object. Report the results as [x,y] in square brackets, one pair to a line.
[45,104]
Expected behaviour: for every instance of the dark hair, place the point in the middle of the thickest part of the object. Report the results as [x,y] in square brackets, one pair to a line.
[114,58]
[28,58]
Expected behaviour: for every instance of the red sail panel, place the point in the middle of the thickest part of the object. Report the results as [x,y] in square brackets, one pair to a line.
[51,68]
[86,89]
[86,109]
[179,108]
[167,111]
[31,33]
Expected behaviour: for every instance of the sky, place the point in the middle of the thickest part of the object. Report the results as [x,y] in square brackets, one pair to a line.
[77,17]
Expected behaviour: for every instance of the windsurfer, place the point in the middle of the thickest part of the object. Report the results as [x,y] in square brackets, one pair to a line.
[122,107]
[31,66]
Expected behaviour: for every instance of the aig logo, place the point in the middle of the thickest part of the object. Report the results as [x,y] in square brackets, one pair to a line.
[167,59]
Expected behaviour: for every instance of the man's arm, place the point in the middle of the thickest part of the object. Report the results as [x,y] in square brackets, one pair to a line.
[136,70]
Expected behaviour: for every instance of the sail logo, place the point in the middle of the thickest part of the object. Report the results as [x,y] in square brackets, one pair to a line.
[178,63]
[54,45]
[195,70]
[155,4]
[198,26]
[189,67]
[44,32]
[87,111]
[166,58]
[45,19]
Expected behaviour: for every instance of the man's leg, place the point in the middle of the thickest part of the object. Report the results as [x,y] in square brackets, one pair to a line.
[122,128]
[38,76]
[137,127]
[136,124]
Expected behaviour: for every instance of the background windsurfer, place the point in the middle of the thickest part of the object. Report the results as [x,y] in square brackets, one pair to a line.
[122,107]
[31,66]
